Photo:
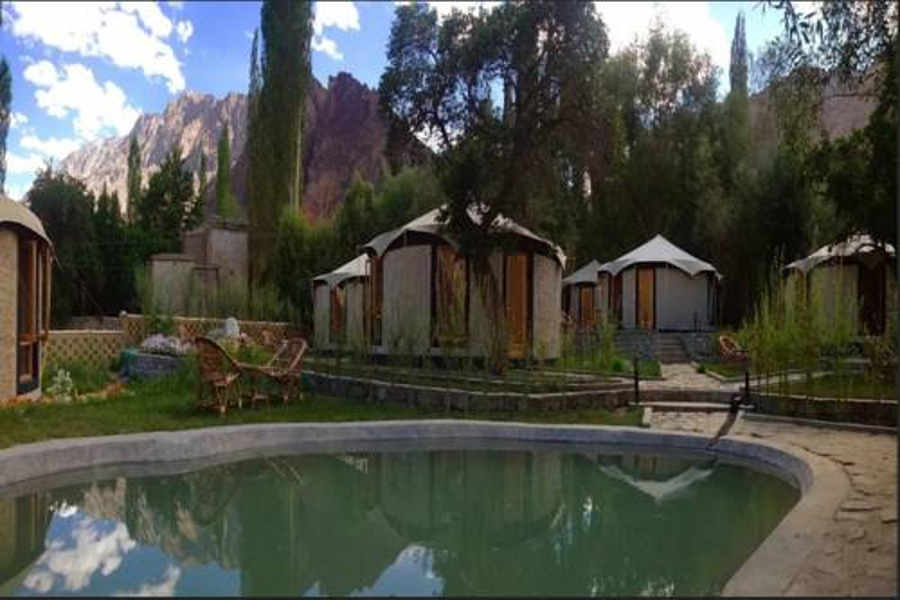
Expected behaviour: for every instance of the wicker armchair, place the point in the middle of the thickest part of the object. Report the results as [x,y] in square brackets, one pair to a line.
[219,373]
[285,367]
[730,350]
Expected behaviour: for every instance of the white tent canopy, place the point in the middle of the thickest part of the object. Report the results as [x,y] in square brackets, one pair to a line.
[660,250]
[586,274]
[429,223]
[852,246]
[354,268]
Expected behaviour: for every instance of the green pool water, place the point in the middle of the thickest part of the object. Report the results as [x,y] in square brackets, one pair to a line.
[442,522]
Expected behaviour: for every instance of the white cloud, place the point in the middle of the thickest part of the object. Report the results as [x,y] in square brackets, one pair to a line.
[627,20]
[17,164]
[16,119]
[98,108]
[130,35]
[57,148]
[166,587]
[17,191]
[175,4]
[342,15]
[184,29]
[248,34]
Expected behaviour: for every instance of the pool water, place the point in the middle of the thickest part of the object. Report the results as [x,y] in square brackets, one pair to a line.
[449,522]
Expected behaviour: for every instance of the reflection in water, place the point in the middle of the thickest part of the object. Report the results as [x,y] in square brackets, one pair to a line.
[442,522]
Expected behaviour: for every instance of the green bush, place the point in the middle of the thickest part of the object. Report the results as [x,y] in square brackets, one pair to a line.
[86,377]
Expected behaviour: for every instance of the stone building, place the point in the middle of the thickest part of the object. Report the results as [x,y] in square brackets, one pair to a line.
[213,260]
[25,254]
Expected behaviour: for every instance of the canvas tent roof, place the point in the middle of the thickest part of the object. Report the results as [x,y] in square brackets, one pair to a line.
[586,274]
[349,270]
[428,223]
[16,212]
[853,245]
[657,250]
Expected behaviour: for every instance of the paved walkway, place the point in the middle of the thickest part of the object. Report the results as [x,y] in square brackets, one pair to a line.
[683,376]
[858,555]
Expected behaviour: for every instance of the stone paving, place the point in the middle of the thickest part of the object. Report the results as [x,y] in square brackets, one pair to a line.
[683,376]
[858,555]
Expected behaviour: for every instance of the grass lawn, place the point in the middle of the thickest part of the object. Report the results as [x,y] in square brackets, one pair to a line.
[169,404]
[834,386]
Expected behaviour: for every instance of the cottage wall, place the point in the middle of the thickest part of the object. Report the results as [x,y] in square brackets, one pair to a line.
[321,315]
[9,260]
[830,285]
[406,320]
[547,311]
[480,329]
[682,301]
[355,334]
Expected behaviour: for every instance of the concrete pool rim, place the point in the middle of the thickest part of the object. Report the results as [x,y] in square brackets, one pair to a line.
[768,571]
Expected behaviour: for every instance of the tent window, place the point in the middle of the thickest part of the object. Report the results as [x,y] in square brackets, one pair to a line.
[451,285]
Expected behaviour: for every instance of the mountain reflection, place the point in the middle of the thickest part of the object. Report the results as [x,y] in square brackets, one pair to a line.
[448,522]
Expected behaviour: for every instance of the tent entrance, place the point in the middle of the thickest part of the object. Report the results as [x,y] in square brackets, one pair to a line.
[646,309]
[871,290]
[516,293]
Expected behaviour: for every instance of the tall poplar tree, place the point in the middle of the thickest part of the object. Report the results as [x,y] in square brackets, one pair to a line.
[224,198]
[5,111]
[279,83]
[133,178]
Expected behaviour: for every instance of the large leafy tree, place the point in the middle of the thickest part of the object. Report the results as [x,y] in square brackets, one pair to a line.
[279,78]
[440,83]
[65,208]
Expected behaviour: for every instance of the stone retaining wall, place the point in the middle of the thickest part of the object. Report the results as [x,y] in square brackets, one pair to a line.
[449,399]
[867,412]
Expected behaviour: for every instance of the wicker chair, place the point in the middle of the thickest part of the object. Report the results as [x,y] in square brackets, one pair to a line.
[730,350]
[219,374]
[285,367]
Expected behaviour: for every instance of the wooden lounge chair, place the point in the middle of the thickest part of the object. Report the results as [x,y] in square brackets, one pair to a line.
[730,350]
[284,368]
[219,374]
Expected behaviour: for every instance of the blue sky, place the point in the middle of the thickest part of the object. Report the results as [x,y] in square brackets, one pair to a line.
[85,71]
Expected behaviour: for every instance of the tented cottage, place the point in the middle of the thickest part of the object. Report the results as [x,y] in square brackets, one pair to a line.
[857,271]
[585,296]
[25,252]
[658,286]
[339,300]
[424,299]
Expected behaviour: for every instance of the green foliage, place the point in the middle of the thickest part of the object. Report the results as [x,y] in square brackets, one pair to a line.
[169,207]
[77,378]
[278,88]
[133,177]
[225,202]
[66,209]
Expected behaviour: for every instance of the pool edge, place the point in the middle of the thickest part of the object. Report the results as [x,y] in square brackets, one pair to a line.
[770,569]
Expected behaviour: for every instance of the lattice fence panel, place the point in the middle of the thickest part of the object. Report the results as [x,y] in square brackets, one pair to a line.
[98,347]
[135,328]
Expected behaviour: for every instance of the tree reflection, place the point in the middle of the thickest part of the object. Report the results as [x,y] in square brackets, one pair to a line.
[470,523]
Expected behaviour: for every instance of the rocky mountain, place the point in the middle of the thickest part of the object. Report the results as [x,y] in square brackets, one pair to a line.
[345,133]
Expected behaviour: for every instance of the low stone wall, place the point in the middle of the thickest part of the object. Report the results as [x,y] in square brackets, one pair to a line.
[135,327]
[450,399]
[92,346]
[867,412]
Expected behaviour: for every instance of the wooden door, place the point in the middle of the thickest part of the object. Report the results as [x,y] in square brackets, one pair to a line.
[516,286]
[586,306]
[645,297]
[871,296]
